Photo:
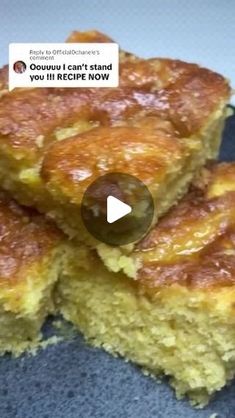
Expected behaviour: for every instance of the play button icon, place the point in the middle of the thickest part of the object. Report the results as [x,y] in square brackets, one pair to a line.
[117,209]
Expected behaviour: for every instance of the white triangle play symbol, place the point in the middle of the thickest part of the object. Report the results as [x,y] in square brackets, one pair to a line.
[116,209]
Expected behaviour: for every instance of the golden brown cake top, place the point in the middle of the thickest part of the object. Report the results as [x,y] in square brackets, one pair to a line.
[194,244]
[71,165]
[182,93]
[90,36]
[25,238]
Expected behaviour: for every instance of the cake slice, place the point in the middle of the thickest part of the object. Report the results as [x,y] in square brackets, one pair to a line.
[161,125]
[31,250]
[178,316]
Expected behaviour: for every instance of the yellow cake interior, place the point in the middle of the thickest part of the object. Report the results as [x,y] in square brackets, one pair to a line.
[24,308]
[176,317]
[188,336]
[178,326]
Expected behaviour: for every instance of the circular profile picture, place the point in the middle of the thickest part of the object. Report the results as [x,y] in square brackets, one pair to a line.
[19,67]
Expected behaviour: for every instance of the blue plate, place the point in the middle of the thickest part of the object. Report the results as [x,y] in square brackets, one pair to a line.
[73,380]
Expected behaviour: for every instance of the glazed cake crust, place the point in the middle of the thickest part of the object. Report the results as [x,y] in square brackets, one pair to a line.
[90,36]
[185,97]
[194,244]
[25,239]
[72,164]
[166,116]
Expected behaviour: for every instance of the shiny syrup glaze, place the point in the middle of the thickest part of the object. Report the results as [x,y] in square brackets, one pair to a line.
[182,93]
[25,238]
[194,244]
